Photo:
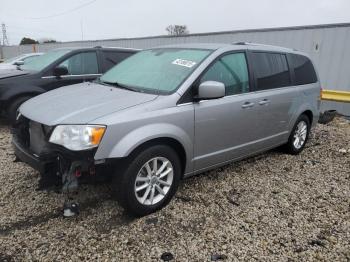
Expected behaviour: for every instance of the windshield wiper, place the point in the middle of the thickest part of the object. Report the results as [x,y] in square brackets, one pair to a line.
[116,84]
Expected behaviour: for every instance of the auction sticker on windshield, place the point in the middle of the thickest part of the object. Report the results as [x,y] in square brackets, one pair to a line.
[185,63]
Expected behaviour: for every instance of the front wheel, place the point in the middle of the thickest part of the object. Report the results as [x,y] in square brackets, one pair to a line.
[149,180]
[299,135]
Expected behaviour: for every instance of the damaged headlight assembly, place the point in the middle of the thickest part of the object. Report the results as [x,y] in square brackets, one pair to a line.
[77,137]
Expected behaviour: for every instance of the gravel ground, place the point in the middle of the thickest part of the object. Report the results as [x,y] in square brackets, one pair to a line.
[272,207]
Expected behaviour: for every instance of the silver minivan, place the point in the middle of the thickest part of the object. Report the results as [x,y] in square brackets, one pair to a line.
[167,113]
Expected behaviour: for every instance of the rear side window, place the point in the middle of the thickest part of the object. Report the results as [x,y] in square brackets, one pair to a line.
[303,70]
[111,58]
[270,70]
[232,71]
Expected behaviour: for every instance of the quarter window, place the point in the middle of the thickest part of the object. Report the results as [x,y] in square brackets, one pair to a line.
[81,64]
[303,70]
[270,70]
[232,71]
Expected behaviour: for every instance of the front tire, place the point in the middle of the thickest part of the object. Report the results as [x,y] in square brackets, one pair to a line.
[299,135]
[149,180]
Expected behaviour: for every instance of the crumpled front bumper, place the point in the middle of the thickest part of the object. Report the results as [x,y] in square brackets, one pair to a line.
[31,145]
[43,165]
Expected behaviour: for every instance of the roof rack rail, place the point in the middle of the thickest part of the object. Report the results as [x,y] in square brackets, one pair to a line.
[266,45]
[239,43]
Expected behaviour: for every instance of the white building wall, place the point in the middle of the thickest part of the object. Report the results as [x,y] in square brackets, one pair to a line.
[328,46]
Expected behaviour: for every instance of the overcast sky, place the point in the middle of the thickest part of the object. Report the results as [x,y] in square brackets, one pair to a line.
[103,19]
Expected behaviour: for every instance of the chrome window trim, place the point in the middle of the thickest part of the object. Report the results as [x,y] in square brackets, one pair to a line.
[241,94]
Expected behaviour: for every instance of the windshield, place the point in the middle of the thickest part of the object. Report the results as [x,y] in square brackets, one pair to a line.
[39,63]
[156,70]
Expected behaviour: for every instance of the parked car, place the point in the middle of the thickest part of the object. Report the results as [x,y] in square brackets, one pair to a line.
[56,68]
[171,112]
[12,63]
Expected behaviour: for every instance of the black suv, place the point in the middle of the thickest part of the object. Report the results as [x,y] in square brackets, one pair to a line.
[56,68]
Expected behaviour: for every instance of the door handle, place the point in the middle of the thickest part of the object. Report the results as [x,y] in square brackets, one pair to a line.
[264,102]
[247,105]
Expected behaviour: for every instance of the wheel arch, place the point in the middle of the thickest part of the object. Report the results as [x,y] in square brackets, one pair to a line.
[169,141]
[11,95]
[123,146]
[15,97]
[309,115]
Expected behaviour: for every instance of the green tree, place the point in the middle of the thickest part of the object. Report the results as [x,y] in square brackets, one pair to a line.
[28,41]
[50,41]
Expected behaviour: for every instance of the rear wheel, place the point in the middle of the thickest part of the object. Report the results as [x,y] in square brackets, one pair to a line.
[13,107]
[299,135]
[149,181]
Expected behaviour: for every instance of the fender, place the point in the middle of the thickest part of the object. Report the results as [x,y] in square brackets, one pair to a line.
[143,134]
[304,107]
[11,91]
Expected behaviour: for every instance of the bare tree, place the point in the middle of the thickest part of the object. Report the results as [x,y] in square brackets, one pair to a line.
[177,30]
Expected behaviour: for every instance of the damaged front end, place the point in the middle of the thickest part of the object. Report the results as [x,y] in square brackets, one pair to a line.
[59,167]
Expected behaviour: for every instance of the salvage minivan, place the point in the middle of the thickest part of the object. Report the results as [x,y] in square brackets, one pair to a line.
[170,112]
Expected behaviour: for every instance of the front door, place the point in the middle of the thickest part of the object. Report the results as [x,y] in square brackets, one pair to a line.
[81,67]
[223,127]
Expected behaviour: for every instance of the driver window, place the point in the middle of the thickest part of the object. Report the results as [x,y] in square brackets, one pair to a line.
[232,71]
[81,64]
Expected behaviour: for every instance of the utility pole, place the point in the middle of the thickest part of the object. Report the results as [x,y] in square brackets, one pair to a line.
[1,51]
[5,40]
[81,28]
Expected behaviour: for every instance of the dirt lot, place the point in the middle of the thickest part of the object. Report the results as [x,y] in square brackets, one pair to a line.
[273,207]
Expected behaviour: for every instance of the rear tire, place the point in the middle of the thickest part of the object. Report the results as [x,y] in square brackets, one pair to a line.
[148,180]
[13,107]
[299,136]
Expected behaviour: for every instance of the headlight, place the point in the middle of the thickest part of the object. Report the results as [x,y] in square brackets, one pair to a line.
[77,137]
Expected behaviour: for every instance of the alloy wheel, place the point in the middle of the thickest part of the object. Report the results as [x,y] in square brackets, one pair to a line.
[300,134]
[154,181]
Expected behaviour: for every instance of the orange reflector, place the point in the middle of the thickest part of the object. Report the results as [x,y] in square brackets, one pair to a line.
[97,133]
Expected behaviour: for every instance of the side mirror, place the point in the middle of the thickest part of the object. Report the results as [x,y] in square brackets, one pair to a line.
[60,71]
[19,63]
[211,90]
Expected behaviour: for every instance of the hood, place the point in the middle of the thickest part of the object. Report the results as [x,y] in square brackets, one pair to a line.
[6,73]
[80,104]
[7,66]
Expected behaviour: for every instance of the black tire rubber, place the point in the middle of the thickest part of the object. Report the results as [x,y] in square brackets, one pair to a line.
[123,183]
[13,107]
[289,146]
[327,117]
